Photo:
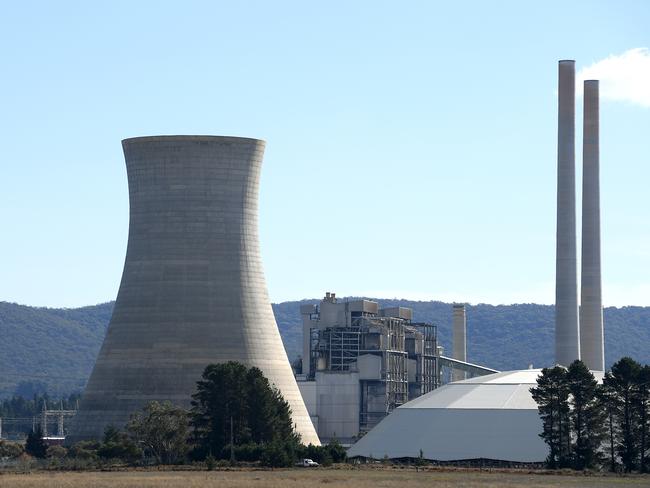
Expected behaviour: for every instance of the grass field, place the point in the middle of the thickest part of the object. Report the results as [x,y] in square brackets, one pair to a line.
[330,478]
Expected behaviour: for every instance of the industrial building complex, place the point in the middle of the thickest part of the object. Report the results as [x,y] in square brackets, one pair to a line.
[193,293]
[361,362]
[495,417]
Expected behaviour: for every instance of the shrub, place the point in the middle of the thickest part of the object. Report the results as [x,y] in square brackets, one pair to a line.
[275,456]
[118,445]
[327,454]
[246,452]
[336,451]
[84,450]
[56,452]
[10,450]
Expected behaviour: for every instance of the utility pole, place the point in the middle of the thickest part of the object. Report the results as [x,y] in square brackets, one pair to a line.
[60,430]
[232,442]
[44,419]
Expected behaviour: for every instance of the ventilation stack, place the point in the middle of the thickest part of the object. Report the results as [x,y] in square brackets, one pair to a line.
[193,290]
[591,302]
[459,339]
[567,333]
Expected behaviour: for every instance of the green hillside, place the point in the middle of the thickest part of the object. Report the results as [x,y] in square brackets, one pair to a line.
[48,349]
[53,350]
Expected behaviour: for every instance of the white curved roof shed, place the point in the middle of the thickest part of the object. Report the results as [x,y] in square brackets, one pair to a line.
[489,417]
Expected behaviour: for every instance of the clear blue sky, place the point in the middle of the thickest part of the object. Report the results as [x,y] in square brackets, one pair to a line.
[411,146]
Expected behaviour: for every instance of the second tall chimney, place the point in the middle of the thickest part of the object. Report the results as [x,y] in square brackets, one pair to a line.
[591,301]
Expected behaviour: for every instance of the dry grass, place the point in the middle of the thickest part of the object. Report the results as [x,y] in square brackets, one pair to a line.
[327,478]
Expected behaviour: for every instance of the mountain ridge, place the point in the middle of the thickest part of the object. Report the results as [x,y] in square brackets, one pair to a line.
[54,349]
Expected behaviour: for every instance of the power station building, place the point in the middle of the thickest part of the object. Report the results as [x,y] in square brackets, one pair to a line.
[193,290]
[361,362]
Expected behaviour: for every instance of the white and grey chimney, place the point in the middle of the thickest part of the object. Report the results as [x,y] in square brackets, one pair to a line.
[567,332]
[459,339]
[591,301]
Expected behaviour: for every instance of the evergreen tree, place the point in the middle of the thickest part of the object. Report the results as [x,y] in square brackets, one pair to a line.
[35,445]
[552,397]
[269,414]
[609,402]
[219,407]
[587,416]
[236,404]
[623,381]
[118,445]
[642,401]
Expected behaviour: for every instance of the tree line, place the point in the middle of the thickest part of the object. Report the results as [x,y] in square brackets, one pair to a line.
[26,406]
[591,425]
[236,415]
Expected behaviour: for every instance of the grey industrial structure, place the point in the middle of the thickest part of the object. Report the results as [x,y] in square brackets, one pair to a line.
[361,362]
[578,329]
[592,349]
[494,416]
[567,331]
[193,290]
[459,338]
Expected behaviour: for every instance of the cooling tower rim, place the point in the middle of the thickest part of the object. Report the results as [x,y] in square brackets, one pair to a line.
[567,61]
[190,138]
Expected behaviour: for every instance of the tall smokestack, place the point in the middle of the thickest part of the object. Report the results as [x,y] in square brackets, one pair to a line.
[459,339]
[567,333]
[591,301]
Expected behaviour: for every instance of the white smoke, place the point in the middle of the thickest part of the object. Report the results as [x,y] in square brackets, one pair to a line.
[624,77]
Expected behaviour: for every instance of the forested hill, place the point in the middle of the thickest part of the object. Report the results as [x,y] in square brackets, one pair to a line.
[53,350]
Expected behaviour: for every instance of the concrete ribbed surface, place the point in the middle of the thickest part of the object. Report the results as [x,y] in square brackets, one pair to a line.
[193,290]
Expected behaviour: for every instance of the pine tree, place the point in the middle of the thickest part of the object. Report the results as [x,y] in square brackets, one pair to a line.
[232,399]
[609,402]
[642,402]
[35,445]
[587,416]
[622,380]
[269,414]
[552,397]
[219,407]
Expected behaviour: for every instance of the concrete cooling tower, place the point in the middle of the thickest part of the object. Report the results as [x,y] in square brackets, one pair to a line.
[193,290]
